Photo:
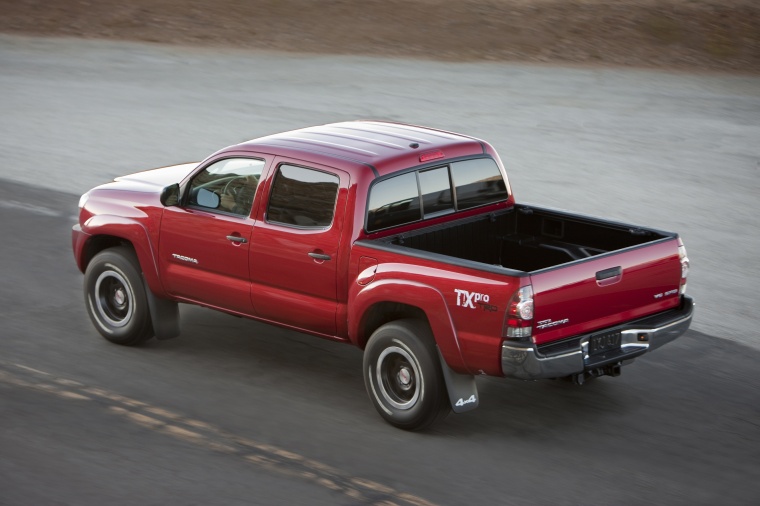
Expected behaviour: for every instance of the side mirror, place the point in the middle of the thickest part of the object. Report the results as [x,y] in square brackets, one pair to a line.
[170,195]
[207,198]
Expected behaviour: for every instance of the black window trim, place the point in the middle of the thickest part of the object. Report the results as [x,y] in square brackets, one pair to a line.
[429,166]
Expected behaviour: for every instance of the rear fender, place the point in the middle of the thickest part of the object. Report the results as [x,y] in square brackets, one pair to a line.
[424,297]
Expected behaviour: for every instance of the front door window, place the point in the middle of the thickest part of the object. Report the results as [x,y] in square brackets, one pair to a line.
[227,186]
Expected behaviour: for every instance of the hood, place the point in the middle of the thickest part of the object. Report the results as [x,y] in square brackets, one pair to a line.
[155,179]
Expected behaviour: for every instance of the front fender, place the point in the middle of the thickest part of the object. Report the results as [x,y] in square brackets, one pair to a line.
[134,232]
[424,297]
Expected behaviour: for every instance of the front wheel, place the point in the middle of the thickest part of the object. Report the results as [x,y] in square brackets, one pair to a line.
[115,297]
[403,375]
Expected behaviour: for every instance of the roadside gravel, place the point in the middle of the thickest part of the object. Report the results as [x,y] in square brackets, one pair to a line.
[676,34]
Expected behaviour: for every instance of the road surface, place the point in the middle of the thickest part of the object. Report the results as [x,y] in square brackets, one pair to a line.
[235,412]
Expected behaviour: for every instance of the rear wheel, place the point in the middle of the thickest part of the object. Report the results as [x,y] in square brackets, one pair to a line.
[115,297]
[403,376]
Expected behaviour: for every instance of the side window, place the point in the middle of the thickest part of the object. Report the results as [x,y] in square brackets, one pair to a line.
[227,186]
[394,201]
[477,182]
[303,197]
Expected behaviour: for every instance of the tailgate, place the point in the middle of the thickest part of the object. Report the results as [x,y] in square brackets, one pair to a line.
[607,290]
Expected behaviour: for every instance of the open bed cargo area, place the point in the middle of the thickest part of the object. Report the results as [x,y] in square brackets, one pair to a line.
[526,238]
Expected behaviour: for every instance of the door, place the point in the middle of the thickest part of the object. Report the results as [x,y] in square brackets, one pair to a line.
[296,245]
[205,242]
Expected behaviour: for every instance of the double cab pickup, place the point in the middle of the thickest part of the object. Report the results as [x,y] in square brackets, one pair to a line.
[402,240]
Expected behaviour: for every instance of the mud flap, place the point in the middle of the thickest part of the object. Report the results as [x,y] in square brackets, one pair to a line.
[463,392]
[164,315]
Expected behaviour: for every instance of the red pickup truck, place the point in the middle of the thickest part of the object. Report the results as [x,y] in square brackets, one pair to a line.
[402,240]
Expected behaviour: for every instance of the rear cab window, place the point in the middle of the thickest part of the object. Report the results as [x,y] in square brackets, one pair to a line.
[434,191]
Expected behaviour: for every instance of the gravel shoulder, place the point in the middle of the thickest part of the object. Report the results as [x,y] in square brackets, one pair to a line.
[675,34]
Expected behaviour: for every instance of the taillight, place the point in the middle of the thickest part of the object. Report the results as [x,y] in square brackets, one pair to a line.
[519,318]
[684,265]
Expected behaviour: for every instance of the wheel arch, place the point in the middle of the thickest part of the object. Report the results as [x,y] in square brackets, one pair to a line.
[391,300]
[384,312]
[103,232]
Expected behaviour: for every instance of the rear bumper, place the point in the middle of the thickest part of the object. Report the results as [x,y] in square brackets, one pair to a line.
[526,361]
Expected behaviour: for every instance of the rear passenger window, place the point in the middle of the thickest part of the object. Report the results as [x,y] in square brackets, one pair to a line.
[302,197]
[432,192]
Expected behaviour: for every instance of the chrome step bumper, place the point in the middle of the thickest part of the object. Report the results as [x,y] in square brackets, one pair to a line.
[526,361]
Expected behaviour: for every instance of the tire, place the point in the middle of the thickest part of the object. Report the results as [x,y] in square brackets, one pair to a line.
[115,298]
[403,375]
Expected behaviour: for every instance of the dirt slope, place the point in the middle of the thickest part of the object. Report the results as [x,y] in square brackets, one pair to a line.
[693,34]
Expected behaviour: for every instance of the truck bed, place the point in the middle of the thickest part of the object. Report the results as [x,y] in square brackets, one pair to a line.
[526,238]
[587,274]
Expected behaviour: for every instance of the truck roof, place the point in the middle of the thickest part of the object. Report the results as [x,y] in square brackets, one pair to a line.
[383,146]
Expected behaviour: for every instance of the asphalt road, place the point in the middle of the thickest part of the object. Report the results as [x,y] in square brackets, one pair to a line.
[673,151]
[234,412]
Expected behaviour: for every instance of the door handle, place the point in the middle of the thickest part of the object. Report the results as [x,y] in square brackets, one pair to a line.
[320,256]
[237,239]
[608,277]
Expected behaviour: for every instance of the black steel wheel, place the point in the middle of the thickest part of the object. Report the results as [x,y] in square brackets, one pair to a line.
[115,297]
[402,373]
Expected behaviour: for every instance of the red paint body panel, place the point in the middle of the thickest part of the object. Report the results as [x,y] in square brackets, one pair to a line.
[219,274]
[469,338]
[186,255]
[646,273]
